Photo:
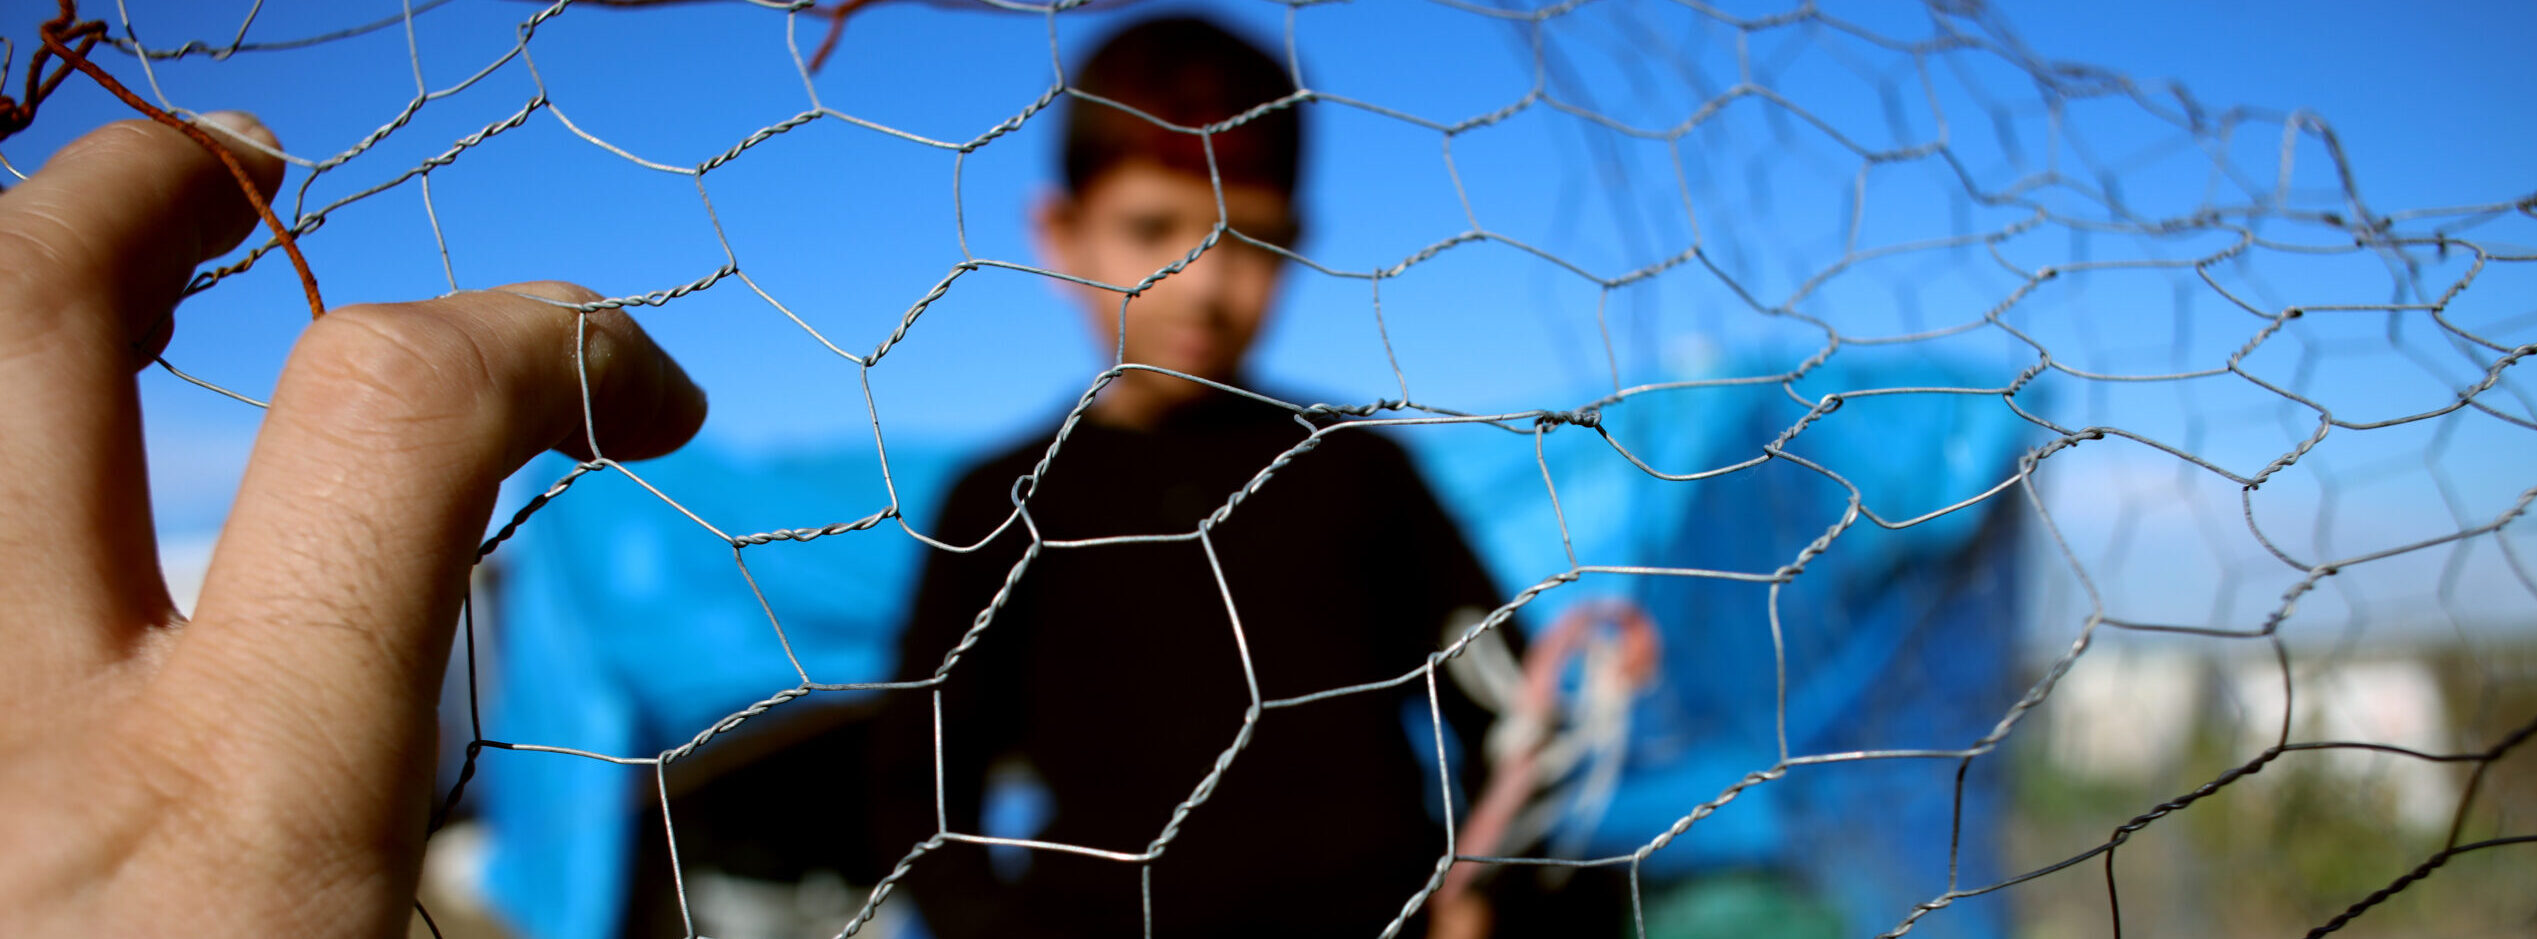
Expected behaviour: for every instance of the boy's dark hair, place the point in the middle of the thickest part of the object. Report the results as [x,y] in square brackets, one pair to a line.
[1191,73]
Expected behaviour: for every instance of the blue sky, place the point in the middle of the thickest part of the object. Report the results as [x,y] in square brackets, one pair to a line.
[848,226]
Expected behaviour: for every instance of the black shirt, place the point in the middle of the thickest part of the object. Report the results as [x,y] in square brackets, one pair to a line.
[1114,672]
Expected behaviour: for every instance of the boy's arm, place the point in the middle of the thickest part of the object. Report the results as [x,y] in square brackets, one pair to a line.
[1450,590]
[953,885]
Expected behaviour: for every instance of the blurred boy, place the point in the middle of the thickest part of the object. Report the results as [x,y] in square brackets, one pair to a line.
[1111,674]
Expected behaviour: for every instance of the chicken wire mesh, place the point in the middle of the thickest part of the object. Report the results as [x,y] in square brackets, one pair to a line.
[2259,442]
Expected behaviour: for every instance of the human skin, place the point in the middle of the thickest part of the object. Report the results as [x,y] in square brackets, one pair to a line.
[265,768]
[1137,218]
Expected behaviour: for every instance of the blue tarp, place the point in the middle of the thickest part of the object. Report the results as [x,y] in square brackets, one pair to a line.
[1895,639]
[625,628]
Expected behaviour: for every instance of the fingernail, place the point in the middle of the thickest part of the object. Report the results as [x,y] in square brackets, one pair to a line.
[244,125]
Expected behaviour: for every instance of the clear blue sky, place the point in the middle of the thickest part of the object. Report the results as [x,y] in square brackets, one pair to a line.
[848,227]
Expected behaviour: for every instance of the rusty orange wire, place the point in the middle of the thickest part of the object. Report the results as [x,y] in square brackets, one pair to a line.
[69,39]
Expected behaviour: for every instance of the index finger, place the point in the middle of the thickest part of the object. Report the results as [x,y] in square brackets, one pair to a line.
[116,220]
[94,249]
[325,620]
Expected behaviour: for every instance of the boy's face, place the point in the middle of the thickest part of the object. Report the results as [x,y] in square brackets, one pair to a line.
[1138,218]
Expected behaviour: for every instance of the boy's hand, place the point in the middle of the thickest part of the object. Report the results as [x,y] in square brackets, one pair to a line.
[265,769]
[1465,915]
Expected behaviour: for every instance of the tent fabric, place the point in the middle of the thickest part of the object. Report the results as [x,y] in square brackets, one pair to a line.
[625,628]
[1894,639]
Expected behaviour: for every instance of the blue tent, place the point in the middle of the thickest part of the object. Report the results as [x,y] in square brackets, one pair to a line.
[625,628]
[1894,639]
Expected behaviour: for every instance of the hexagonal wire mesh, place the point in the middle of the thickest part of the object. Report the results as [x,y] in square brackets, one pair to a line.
[2250,448]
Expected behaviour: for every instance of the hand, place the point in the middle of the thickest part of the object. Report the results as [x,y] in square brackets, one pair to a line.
[265,769]
[1463,915]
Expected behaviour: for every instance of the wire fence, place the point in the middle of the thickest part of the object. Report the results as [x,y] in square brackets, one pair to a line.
[2257,448]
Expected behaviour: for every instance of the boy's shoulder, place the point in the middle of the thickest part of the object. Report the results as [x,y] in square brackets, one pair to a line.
[1228,432]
